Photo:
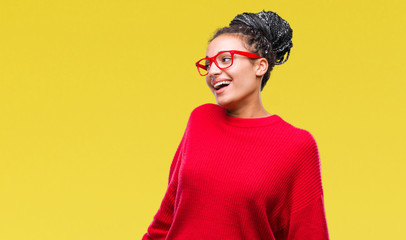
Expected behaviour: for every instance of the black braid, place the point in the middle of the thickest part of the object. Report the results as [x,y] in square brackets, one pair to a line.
[266,34]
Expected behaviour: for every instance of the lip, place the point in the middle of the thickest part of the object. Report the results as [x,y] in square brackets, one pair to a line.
[221,89]
[219,80]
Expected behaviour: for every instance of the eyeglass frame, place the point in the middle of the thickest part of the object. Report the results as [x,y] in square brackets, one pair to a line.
[232,52]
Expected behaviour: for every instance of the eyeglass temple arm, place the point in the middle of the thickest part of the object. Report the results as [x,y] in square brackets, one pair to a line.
[200,65]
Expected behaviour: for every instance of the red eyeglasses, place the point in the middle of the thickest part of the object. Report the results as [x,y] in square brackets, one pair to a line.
[222,60]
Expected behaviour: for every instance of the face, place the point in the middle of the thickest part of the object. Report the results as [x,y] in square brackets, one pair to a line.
[244,74]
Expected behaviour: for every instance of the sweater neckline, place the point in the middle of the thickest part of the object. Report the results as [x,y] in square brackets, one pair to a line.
[248,122]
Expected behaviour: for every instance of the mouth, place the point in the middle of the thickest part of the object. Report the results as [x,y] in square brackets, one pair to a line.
[221,86]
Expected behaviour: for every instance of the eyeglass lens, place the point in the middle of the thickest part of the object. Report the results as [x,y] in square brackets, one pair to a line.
[224,60]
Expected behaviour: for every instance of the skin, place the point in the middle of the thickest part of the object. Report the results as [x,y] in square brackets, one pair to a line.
[242,98]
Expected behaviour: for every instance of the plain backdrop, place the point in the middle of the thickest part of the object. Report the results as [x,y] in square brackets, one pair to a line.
[95,96]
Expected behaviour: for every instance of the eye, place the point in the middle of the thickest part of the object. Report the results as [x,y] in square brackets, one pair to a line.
[207,65]
[225,59]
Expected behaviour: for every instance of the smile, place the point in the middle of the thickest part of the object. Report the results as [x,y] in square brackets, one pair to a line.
[221,84]
[221,87]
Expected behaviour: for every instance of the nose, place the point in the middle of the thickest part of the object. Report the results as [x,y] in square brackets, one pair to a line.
[213,70]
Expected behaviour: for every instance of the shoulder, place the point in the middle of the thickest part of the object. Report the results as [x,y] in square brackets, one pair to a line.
[304,148]
[204,113]
[300,137]
[207,110]
[207,107]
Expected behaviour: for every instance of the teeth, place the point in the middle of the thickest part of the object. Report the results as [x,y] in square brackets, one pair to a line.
[219,83]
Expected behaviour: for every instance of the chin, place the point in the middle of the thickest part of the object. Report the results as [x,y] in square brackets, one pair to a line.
[229,105]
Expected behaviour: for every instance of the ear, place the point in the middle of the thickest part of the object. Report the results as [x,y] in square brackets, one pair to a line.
[261,67]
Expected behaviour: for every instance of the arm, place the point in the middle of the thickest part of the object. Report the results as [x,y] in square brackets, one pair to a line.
[163,219]
[309,222]
[306,217]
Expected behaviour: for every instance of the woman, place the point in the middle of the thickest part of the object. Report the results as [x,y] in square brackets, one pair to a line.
[239,171]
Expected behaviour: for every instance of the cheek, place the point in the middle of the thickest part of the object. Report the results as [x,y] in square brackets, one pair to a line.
[244,80]
[242,87]
[208,83]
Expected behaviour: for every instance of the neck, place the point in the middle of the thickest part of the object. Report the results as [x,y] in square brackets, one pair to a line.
[249,110]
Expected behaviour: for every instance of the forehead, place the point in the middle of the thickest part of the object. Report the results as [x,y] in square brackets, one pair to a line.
[225,42]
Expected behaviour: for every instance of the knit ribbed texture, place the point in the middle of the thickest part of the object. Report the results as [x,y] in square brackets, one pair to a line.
[242,178]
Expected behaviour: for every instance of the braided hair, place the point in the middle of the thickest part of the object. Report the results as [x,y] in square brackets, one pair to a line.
[266,34]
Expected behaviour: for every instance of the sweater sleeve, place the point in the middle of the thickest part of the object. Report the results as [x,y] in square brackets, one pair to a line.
[162,221]
[306,219]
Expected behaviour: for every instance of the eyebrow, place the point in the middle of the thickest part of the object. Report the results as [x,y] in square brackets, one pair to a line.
[218,53]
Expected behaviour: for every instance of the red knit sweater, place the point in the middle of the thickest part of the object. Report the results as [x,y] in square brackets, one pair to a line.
[242,178]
